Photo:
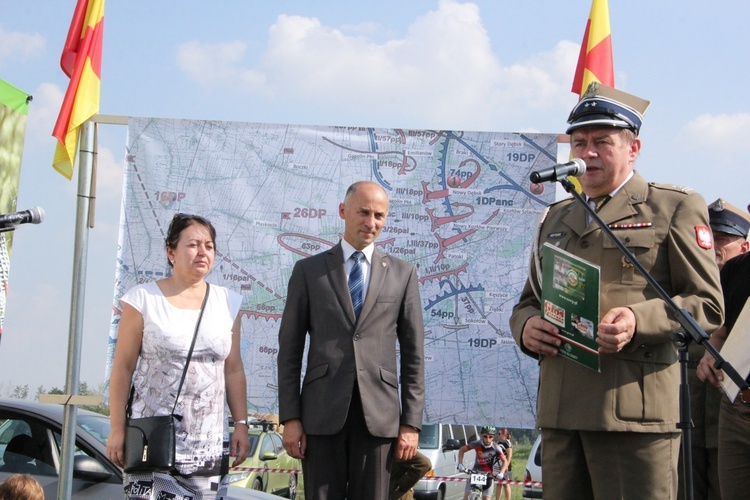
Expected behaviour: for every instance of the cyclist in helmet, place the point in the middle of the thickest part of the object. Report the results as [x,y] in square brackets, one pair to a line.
[488,452]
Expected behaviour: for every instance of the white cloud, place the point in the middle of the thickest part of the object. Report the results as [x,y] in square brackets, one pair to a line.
[15,46]
[43,111]
[363,29]
[709,151]
[39,146]
[541,84]
[718,132]
[41,119]
[109,174]
[445,56]
[216,64]
[443,71]
[716,140]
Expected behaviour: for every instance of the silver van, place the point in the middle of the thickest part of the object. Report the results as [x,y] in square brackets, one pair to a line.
[440,443]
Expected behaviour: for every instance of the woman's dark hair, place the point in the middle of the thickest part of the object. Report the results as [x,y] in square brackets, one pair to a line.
[182,221]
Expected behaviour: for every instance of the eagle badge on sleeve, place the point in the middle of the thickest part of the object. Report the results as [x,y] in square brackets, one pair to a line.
[703,235]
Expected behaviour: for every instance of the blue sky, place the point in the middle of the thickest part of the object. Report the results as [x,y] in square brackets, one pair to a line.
[503,66]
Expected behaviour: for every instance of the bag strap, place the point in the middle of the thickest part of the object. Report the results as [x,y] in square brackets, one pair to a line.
[190,352]
[128,410]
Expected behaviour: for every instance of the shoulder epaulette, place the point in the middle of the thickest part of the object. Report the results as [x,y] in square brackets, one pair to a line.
[671,187]
[560,202]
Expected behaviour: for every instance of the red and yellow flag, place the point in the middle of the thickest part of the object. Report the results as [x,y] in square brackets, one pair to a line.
[82,61]
[595,60]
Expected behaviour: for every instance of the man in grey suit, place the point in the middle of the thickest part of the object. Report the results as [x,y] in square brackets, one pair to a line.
[347,421]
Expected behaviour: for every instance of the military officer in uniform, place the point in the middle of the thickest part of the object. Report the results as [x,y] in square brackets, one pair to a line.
[613,434]
[730,227]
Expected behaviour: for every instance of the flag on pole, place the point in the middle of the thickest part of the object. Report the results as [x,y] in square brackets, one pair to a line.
[82,61]
[595,60]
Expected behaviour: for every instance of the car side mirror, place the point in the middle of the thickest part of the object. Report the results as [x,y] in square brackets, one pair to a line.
[89,469]
[269,455]
[451,444]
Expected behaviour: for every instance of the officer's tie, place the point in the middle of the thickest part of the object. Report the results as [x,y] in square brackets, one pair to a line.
[356,282]
[596,203]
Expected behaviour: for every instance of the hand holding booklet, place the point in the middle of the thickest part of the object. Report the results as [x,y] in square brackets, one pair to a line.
[570,300]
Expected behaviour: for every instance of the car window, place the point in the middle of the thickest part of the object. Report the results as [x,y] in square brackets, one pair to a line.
[538,455]
[77,451]
[10,428]
[26,448]
[266,445]
[446,433]
[428,437]
[253,444]
[97,426]
[278,445]
[458,433]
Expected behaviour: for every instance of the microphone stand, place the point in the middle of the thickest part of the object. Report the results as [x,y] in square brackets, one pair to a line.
[691,331]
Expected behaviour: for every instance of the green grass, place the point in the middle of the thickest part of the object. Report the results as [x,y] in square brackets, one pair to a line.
[520,456]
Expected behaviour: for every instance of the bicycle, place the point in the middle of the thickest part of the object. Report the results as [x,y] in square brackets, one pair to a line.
[479,481]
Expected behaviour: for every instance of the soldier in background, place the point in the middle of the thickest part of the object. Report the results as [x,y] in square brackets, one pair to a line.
[730,227]
[734,416]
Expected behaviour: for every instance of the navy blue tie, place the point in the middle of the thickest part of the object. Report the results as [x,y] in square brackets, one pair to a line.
[356,282]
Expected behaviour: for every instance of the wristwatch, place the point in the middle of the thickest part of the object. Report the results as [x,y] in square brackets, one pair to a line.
[243,422]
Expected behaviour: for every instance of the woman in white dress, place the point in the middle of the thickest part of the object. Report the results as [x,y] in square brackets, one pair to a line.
[156,329]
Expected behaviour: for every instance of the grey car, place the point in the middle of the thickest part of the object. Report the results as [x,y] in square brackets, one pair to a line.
[30,443]
[31,440]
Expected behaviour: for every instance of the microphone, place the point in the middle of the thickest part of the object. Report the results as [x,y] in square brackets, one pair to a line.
[575,167]
[35,215]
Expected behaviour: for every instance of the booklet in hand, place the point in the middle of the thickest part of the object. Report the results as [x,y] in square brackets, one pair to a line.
[570,300]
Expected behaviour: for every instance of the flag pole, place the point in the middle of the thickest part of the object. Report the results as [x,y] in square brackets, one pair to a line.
[78,287]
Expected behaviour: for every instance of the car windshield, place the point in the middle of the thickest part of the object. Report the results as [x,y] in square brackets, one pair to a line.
[428,436]
[97,426]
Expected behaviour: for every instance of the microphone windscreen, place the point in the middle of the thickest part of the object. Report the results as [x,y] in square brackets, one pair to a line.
[37,215]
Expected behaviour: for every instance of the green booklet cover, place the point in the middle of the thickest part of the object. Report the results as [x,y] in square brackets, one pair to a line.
[570,300]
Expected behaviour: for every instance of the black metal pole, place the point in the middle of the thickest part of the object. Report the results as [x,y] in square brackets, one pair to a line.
[685,424]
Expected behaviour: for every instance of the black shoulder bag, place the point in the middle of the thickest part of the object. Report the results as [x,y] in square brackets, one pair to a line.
[149,441]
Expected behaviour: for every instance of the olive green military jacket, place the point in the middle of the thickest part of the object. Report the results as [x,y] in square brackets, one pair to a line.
[637,390]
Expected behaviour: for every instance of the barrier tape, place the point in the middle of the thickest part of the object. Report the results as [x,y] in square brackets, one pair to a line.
[258,469]
[449,479]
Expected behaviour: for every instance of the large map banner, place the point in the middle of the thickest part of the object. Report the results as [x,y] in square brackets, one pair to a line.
[461,209]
